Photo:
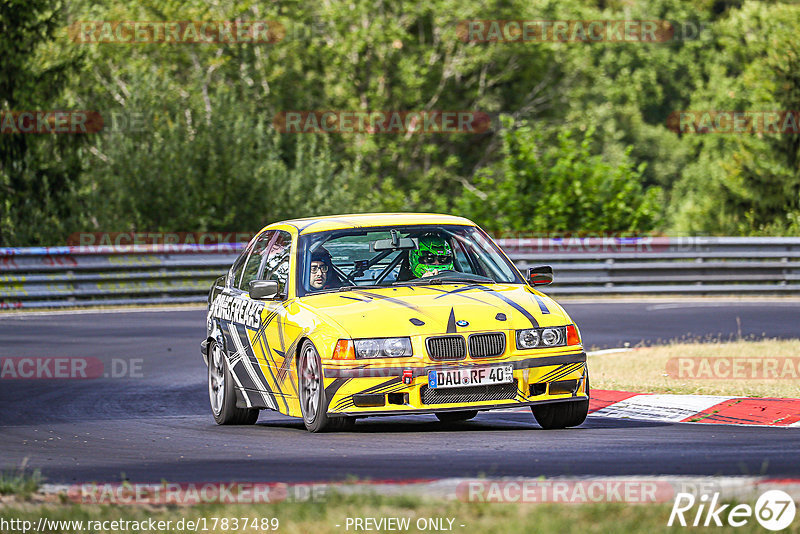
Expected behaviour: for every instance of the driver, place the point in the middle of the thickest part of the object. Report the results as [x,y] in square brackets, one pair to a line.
[321,270]
[433,256]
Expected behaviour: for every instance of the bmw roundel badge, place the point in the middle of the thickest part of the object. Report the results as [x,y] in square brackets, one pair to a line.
[462,323]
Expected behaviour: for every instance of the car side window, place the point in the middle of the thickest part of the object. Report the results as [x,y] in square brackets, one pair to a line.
[256,258]
[235,273]
[276,266]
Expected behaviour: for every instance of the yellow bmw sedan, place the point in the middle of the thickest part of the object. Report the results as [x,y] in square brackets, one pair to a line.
[336,318]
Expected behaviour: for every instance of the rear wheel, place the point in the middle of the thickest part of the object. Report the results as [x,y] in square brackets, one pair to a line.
[313,403]
[456,417]
[221,393]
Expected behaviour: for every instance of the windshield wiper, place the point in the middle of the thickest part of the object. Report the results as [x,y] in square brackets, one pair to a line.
[453,280]
[469,279]
[420,282]
[349,288]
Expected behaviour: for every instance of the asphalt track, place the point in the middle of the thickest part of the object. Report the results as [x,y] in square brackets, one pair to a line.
[158,426]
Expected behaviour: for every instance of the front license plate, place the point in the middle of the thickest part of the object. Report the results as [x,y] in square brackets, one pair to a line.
[480,376]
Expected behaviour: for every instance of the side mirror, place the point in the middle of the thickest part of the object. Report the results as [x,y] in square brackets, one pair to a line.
[263,289]
[540,276]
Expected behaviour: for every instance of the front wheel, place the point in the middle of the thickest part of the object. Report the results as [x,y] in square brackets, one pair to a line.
[221,393]
[313,403]
[561,414]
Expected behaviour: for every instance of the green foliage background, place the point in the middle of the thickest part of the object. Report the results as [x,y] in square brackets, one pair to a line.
[580,143]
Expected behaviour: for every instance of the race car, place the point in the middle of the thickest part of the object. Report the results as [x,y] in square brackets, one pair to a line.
[337,318]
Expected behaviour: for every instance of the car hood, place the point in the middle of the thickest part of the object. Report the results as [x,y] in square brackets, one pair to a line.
[437,309]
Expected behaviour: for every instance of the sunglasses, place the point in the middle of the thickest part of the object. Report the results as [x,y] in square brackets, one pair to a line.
[435,259]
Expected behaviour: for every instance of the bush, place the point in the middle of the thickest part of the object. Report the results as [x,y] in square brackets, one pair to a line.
[559,187]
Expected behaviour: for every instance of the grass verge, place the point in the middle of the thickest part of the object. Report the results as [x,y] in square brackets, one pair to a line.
[695,368]
[19,482]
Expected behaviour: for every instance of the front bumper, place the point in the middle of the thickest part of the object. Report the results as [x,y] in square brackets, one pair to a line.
[397,390]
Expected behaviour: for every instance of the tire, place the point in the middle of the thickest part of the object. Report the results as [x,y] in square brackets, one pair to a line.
[561,414]
[313,403]
[221,393]
[456,417]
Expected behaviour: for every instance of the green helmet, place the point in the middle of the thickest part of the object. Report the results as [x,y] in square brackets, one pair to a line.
[434,254]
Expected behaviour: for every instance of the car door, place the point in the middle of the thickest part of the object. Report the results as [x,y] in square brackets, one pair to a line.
[267,342]
[242,324]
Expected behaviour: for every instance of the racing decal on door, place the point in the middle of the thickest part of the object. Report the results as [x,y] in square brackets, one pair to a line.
[232,308]
[250,379]
[273,364]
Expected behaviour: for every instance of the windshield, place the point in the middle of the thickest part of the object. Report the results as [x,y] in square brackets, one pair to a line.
[399,255]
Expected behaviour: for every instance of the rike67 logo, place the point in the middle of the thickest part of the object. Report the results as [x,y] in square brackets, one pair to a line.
[774,510]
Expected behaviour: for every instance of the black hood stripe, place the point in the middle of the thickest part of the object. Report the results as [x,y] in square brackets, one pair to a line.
[388,299]
[511,303]
[354,298]
[542,305]
[457,291]
[451,322]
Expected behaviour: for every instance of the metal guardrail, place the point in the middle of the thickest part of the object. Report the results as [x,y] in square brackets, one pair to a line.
[46,277]
[664,266]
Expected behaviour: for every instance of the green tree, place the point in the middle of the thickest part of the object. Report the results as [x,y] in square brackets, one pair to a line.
[38,172]
[743,184]
[560,186]
[177,170]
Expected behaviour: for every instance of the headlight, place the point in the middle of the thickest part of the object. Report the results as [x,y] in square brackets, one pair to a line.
[527,339]
[390,347]
[367,348]
[552,337]
[536,338]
